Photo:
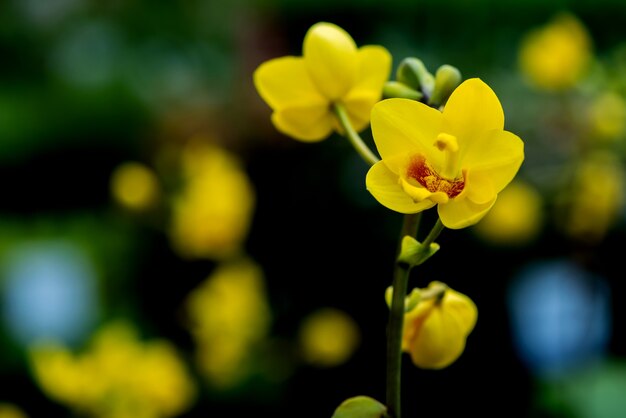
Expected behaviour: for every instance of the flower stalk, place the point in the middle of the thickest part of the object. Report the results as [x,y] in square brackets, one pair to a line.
[395,323]
[361,148]
[397,311]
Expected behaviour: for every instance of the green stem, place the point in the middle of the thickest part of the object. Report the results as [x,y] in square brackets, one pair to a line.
[394,340]
[410,225]
[433,234]
[354,138]
[396,316]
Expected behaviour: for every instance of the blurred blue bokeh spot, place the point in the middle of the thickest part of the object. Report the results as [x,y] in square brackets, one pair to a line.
[560,317]
[50,292]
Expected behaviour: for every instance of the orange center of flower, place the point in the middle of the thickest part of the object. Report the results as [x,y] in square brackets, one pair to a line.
[423,173]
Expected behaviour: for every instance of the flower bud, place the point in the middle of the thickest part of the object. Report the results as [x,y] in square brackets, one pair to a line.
[435,331]
[395,89]
[447,78]
[414,74]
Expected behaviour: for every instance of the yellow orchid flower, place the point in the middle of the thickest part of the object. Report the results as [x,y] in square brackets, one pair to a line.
[436,329]
[458,159]
[332,70]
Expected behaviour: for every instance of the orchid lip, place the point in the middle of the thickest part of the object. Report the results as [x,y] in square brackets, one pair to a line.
[420,171]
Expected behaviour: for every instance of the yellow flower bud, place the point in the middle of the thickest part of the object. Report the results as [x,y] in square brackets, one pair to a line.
[435,331]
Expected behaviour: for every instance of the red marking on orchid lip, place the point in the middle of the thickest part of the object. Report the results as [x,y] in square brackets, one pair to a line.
[423,173]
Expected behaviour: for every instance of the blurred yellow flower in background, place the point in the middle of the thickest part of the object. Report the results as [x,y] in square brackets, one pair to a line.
[212,213]
[516,218]
[134,186]
[117,376]
[592,204]
[302,90]
[607,116]
[11,411]
[459,159]
[435,330]
[229,316]
[557,55]
[328,337]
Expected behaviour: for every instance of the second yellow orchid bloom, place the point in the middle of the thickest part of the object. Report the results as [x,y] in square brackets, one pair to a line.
[332,70]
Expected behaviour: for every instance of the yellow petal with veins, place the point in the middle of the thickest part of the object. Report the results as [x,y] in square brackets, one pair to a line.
[331,58]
